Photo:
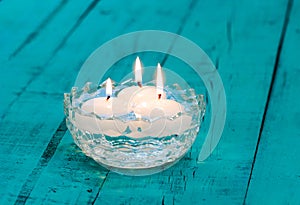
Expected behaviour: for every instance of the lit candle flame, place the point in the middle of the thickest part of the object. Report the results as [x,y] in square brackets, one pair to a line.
[138,71]
[159,81]
[108,88]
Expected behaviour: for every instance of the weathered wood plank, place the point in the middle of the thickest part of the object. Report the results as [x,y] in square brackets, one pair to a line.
[24,131]
[117,18]
[238,35]
[21,69]
[276,173]
[24,134]
[39,52]
[21,22]
[222,179]
[15,25]
[51,186]
[70,177]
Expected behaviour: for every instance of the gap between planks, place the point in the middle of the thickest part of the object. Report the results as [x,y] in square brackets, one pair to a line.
[179,31]
[59,133]
[60,46]
[40,27]
[276,65]
[76,25]
[43,162]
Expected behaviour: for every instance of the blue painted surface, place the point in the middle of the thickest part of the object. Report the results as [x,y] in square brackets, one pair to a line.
[254,45]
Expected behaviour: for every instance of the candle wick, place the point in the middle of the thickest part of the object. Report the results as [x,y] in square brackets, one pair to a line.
[159,96]
[139,84]
[107,98]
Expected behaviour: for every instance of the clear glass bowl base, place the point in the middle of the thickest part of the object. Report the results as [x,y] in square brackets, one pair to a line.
[132,151]
[129,156]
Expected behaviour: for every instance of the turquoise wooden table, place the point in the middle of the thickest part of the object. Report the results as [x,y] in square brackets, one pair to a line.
[255,47]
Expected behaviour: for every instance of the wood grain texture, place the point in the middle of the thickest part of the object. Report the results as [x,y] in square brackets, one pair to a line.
[82,175]
[26,111]
[237,36]
[20,23]
[22,69]
[13,32]
[24,136]
[39,162]
[111,19]
[276,174]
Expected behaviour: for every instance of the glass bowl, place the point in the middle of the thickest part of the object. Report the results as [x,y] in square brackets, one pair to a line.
[133,141]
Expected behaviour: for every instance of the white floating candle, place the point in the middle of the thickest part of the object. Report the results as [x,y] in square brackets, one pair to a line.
[131,96]
[159,112]
[101,106]
[162,113]
[156,115]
